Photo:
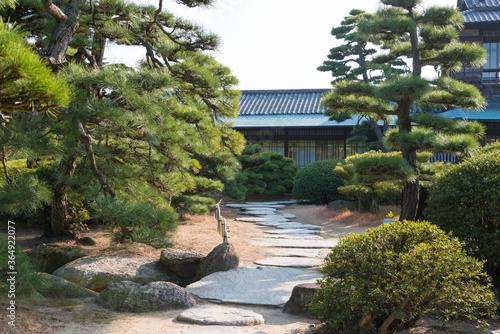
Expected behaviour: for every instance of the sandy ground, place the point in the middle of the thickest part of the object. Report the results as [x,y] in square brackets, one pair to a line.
[196,233]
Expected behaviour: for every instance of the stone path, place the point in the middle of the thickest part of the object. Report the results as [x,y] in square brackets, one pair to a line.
[292,245]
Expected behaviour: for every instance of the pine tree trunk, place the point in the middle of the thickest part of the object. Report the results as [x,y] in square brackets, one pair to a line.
[63,32]
[409,196]
[58,219]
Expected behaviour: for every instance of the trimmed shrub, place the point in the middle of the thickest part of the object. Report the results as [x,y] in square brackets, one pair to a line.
[466,201]
[403,271]
[317,183]
[265,173]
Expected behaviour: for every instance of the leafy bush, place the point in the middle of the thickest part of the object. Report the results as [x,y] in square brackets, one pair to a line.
[400,271]
[466,200]
[317,183]
[267,173]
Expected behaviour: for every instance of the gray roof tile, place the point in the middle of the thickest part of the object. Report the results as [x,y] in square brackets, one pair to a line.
[480,11]
[281,102]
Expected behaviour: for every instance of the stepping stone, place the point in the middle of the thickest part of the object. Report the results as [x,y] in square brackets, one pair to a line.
[272,203]
[242,206]
[258,213]
[289,261]
[294,243]
[291,231]
[293,236]
[258,286]
[213,330]
[222,316]
[258,208]
[288,215]
[288,225]
[296,252]
[250,219]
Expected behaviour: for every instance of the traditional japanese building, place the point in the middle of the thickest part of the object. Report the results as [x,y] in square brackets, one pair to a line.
[292,122]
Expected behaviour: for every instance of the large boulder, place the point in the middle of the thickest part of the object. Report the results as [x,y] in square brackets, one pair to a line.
[57,287]
[302,295]
[183,263]
[97,272]
[221,258]
[49,257]
[155,296]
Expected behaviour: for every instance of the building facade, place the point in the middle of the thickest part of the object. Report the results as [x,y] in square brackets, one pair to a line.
[292,122]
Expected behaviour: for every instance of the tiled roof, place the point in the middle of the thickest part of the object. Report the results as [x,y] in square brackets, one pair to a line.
[481,11]
[281,102]
[491,113]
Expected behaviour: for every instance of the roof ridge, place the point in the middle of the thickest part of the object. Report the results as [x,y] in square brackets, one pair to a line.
[285,91]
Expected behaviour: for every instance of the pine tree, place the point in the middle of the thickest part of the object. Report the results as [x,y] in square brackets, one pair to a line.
[427,38]
[350,61]
[130,137]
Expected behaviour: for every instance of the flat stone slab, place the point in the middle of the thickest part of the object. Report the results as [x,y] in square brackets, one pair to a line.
[289,261]
[293,236]
[258,208]
[251,206]
[258,213]
[212,330]
[250,219]
[288,226]
[294,243]
[254,286]
[296,252]
[288,215]
[272,203]
[291,231]
[218,315]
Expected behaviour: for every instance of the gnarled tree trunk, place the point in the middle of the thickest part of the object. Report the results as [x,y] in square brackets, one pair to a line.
[59,215]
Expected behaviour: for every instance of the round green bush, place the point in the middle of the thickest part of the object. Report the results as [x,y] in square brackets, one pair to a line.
[403,271]
[466,201]
[317,183]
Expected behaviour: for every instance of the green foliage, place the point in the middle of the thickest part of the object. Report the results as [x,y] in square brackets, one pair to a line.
[135,220]
[27,283]
[26,195]
[427,38]
[267,173]
[374,174]
[317,182]
[26,83]
[404,269]
[466,201]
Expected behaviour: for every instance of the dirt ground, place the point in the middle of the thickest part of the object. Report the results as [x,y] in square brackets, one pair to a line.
[197,233]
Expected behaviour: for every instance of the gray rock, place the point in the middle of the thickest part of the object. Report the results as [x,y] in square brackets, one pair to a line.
[135,297]
[259,286]
[293,236]
[290,261]
[250,206]
[213,330]
[302,295]
[258,213]
[458,326]
[289,226]
[97,272]
[291,231]
[250,219]
[288,215]
[57,287]
[181,262]
[294,243]
[221,258]
[49,257]
[258,208]
[273,203]
[296,252]
[223,316]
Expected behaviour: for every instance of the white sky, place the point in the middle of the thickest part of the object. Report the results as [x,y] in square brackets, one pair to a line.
[270,44]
